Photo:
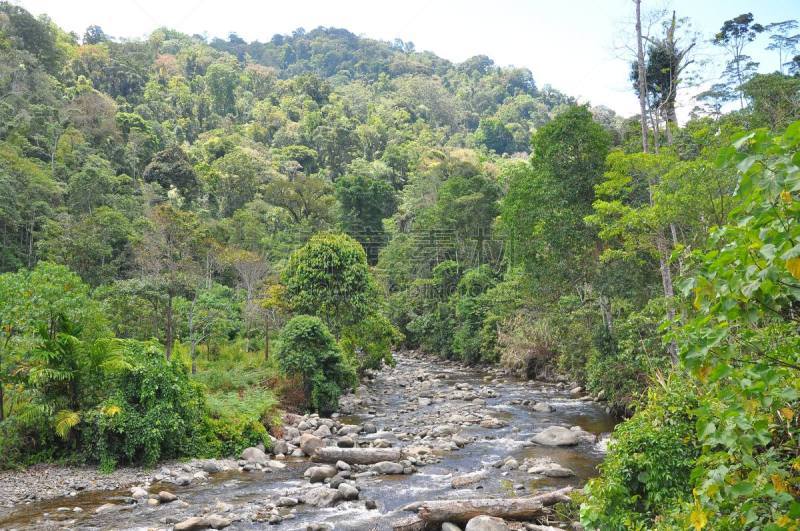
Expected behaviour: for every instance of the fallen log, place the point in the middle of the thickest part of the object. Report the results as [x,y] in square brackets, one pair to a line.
[356,456]
[461,511]
[409,523]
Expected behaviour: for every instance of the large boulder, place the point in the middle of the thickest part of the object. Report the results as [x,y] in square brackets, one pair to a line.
[556,436]
[322,497]
[254,455]
[318,474]
[309,443]
[387,467]
[323,431]
[348,491]
[486,523]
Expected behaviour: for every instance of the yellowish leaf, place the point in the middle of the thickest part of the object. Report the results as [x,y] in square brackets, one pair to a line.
[65,420]
[778,483]
[112,410]
[786,196]
[783,521]
[793,265]
[698,518]
[703,373]
[787,413]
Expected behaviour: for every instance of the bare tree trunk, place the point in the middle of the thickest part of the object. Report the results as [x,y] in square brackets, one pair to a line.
[168,332]
[642,75]
[266,337]
[669,293]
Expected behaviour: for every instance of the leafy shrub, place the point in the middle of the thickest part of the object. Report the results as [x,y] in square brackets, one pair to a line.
[155,412]
[369,342]
[647,472]
[434,329]
[622,367]
[307,349]
[471,309]
[526,344]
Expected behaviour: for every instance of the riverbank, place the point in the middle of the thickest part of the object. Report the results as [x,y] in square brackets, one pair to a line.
[459,433]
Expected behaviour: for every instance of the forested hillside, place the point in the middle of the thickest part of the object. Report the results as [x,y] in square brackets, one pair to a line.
[197,235]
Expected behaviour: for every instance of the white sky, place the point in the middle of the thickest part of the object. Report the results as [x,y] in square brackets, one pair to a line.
[572,45]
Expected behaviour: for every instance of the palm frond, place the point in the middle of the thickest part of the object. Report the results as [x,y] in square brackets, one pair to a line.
[64,421]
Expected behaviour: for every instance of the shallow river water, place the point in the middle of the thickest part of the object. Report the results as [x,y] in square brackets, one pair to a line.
[392,402]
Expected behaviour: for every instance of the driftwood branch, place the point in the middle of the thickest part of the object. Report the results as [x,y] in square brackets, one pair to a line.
[461,511]
[356,456]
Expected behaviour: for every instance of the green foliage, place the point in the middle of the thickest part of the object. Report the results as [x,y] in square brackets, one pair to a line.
[366,201]
[368,343]
[308,350]
[171,168]
[646,474]
[154,412]
[741,341]
[621,367]
[494,134]
[329,278]
[471,309]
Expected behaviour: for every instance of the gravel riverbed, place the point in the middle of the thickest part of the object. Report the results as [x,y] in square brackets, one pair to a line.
[445,431]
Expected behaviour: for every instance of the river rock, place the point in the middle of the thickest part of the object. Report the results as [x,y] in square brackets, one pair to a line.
[443,430]
[254,455]
[318,474]
[279,446]
[322,497]
[551,470]
[387,467]
[216,521]
[348,492]
[556,436]
[542,407]
[493,423]
[138,492]
[576,392]
[309,443]
[447,526]
[341,465]
[345,442]
[286,501]
[106,507]
[486,523]
[369,427]
[468,479]
[166,497]
[190,524]
[290,433]
[381,443]
[323,431]
[510,464]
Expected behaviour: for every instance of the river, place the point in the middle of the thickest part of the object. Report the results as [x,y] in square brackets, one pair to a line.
[407,404]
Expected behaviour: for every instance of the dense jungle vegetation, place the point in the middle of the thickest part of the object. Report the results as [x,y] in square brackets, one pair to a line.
[194,234]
